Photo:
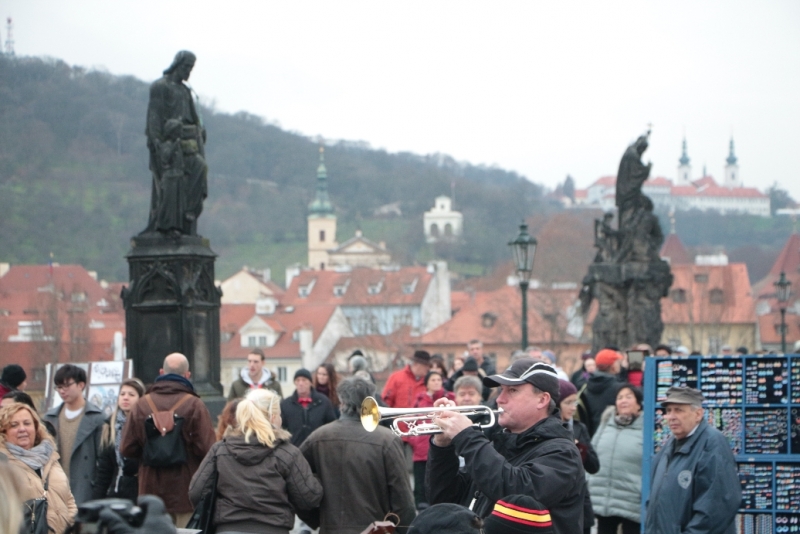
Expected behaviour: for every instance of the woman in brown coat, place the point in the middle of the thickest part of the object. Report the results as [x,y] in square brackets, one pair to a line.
[263,478]
[32,456]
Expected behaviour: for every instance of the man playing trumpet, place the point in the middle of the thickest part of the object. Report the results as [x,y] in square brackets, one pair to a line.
[534,455]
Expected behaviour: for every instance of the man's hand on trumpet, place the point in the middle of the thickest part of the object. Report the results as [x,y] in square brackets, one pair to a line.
[451,423]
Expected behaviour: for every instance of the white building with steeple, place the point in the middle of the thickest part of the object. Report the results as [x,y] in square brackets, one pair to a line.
[686,193]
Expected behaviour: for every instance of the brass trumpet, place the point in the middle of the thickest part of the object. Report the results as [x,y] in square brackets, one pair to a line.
[413,418]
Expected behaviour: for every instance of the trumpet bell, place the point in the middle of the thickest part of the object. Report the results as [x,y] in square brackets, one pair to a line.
[370,414]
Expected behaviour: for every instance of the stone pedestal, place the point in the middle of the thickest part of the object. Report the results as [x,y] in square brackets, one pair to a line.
[172,305]
[629,302]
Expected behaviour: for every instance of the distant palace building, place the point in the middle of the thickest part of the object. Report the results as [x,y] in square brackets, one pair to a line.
[685,193]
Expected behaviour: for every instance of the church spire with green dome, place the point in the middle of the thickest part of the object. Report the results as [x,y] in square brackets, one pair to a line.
[684,157]
[731,156]
[321,205]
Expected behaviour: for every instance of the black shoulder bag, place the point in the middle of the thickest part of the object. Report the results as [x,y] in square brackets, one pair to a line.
[35,510]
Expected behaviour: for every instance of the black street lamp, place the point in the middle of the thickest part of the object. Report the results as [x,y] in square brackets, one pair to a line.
[524,247]
[782,289]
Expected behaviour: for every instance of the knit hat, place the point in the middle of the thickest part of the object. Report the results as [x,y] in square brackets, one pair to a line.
[539,374]
[304,373]
[13,375]
[518,514]
[565,389]
[470,365]
[445,518]
[607,357]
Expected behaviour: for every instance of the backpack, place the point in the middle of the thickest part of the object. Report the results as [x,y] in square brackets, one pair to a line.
[164,446]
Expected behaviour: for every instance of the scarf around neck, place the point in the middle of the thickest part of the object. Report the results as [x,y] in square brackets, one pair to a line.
[118,424]
[624,420]
[35,457]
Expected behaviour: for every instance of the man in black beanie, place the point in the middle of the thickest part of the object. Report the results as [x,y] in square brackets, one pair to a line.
[535,455]
[305,410]
[13,379]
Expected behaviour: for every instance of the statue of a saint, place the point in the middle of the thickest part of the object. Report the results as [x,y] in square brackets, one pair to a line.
[632,174]
[175,139]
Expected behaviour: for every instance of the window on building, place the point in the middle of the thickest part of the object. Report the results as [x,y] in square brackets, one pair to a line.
[716,296]
[488,319]
[322,236]
[282,374]
[78,296]
[434,230]
[701,278]
[251,341]
[448,230]
[262,341]
[714,344]
[374,289]
[678,295]
[674,342]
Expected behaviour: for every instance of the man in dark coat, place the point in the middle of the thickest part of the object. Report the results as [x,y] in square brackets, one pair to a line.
[171,483]
[694,482]
[78,425]
[535,454]
[305,410]
[362,473]
[601,389]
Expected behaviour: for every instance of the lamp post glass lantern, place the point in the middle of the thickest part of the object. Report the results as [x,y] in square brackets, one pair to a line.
[782,287]
[524,248]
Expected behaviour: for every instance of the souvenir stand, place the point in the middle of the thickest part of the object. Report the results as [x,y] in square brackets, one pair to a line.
[755,402]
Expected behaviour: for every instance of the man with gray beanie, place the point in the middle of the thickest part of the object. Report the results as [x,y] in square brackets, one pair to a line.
[535,455]
[362,473]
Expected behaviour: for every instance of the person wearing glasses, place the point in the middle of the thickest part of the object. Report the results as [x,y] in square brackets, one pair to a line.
[535,455]
[79,429]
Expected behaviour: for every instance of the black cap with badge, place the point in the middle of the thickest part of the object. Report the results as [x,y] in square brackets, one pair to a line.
[527,371]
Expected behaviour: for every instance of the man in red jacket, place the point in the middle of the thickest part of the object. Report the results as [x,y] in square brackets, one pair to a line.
[403,386]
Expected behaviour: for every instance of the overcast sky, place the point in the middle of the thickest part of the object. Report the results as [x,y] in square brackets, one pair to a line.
[542,88]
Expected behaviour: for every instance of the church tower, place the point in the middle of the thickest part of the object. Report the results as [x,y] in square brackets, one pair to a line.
[732,178]
[321,220]
[684,168]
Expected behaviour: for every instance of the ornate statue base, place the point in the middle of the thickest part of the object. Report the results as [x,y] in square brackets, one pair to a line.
[172,305]
[629,307]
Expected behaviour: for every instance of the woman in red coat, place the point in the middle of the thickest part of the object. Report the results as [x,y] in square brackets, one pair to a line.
[434,384]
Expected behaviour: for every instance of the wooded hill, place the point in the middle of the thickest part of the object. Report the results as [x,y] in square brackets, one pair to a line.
[74,181]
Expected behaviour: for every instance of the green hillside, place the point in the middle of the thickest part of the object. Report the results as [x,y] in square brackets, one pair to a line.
[74,182]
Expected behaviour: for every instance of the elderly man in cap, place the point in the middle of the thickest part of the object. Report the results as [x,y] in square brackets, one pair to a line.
[403,386]
[694,485]
[535,455]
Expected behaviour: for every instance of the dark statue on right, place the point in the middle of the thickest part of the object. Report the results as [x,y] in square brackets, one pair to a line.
[628,278]
[176,139]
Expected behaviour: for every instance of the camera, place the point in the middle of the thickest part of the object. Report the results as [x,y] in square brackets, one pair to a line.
[88,519]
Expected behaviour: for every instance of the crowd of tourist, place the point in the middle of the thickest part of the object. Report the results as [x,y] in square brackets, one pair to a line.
[564,456]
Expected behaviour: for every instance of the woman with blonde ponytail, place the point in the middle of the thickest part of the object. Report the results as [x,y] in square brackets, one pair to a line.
[262,477]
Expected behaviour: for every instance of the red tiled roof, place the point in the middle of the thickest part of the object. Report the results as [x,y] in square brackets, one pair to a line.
[788,261]
[732,192]
[234,316]
[358,282]
[605,180]
[769,329]
[705,181]
[581,193]
[658,182]
[674,250]
[272,286]
[495,316]
[737,303]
